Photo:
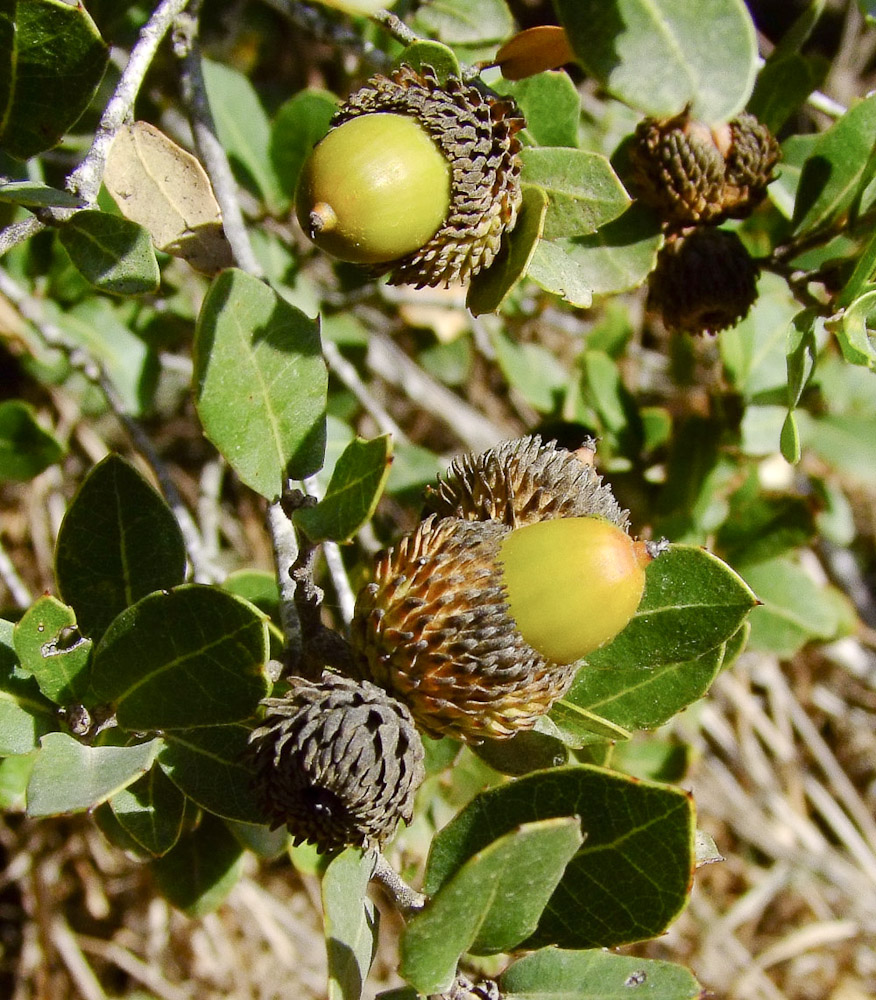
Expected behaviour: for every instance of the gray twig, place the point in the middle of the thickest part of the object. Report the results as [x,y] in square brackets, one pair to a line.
[406,899]
[210,150]
[285,545]
[18,232]
[86,178]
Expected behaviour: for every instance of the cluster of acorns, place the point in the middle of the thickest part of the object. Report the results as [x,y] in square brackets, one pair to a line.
[695,177]
[472,628]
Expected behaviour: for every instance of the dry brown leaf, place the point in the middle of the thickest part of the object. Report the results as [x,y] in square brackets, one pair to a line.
[533,51]
[163,188]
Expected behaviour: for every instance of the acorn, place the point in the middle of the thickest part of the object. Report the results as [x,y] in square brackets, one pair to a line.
[522,481]
[750,161]
[337,762]
[478,626]
[416,178]
[693,173]
[705,281]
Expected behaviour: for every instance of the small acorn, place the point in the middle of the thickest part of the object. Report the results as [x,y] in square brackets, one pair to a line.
[337,762]
[573,583]
[416,178]
[705,281]
[477,626]
[692,173]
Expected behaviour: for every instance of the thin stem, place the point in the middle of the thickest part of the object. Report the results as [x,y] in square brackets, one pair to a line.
[210,151]
[395,26]
[18,232]
[285,545]
[406,899]
[86,178]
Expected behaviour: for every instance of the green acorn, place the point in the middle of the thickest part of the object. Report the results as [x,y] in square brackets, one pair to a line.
[416,178]
[478,626]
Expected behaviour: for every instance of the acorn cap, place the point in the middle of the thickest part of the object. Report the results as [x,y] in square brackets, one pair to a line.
[476,132]
[750,161]
[338,762]
[522,481]
[691,173]
[434,629]
[678,169]
[705,281]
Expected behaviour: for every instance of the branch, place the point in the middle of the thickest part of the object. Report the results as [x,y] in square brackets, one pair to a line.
[210,151]
[86,178]
[285,545]
[18,232]
[406,899]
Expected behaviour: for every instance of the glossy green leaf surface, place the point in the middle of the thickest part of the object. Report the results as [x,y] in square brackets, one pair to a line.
[551,106]
[151,811]
[260,382]
[459,22]
[115,255]
[527,751]
[202,868]
[69,777]
[33,194]
[553,974]
[421,54]
[353,492]
[620,255]
[25,714]
[118,542]
[660,55]
[351,923]
[490,288]
[633,829]
[644,697]
[102,329]
[52,649]
[298,125]
[583,191]
[51,60]
[208,765]
[489,904]
[26,449]
[795,608]
[782,86]
[755,351]
[692,603]
[187,657]
[856,332]
[552,269]
[245,132]
[842,160]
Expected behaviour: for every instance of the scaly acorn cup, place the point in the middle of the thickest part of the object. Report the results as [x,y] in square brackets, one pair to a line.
[691,173]
[337,762]
[477,626]
[705,281]
[522,481]
[416,178]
